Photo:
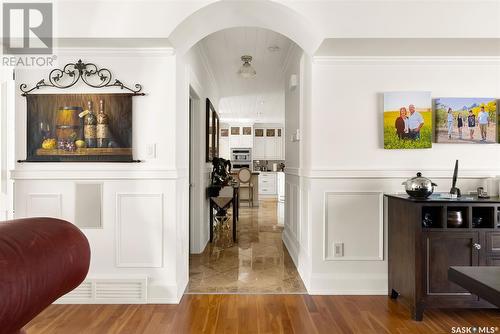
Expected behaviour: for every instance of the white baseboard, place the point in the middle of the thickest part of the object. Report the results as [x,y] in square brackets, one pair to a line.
[333,292]
[299,258]
[348,284]
[198,248]
[291,245]
[164,300]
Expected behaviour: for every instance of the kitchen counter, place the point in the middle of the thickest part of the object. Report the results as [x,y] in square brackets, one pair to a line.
[253,173]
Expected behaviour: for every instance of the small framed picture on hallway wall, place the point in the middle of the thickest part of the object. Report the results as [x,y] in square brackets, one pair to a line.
[464,120]
[407,120]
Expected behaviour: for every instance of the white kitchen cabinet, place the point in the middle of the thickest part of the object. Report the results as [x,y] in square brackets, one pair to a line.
[267,183]
[280,147]
[259,149]
[234,141]
[268,144]
[280,176]
[246,141]
[270,148]
[224,144]
[239,138]
[259,144]
[224,148]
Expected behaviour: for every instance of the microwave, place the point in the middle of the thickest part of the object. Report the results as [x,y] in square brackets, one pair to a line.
[241,155]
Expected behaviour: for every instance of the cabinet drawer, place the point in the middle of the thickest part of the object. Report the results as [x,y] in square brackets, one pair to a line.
[493,242]
[267,191]
[269,183]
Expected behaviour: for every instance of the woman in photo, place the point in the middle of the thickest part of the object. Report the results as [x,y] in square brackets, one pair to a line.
[471,123]
[460,124]
[401,124]
[450,122]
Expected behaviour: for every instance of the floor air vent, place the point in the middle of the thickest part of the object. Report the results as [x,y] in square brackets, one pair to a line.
[108,291]
[83,292]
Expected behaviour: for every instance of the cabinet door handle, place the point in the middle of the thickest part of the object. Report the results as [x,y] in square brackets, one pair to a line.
[476,246]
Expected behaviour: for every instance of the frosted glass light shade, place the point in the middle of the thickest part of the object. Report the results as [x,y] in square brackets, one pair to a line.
[246,70]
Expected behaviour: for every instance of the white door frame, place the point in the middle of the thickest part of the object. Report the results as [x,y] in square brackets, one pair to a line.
[230,14]
[7,143]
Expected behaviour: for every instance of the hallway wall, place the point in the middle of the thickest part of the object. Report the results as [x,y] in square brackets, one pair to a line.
[295,234]
[202,81]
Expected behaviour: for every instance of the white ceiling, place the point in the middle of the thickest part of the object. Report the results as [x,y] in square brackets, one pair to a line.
[259,99]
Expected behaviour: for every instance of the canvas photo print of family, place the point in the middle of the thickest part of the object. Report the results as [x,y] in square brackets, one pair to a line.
[407,120]
[466,120]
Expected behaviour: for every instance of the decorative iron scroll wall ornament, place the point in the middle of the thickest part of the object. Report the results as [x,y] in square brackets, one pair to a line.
[89,73]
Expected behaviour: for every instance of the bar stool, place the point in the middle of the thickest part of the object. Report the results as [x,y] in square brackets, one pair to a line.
[245,176]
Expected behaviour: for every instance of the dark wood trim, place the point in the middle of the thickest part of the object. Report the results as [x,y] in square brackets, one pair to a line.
[210,111]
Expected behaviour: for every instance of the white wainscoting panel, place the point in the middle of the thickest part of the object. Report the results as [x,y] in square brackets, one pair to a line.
[139,230]
[356,220]
[44,205]
[295,194]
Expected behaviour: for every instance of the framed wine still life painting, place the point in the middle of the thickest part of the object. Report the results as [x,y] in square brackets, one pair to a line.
[212,132]
[79,127]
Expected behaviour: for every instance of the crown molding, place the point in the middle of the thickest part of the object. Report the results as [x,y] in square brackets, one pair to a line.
[397,60]
[114,52]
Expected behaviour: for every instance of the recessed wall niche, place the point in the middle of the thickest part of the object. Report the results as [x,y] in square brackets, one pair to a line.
[88,205]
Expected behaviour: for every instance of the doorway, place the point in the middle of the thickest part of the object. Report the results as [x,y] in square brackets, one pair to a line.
[255,114]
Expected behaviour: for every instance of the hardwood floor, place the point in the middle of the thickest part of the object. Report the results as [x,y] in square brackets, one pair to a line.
[257,314]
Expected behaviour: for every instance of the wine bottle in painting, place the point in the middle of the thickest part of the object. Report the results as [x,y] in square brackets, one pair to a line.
[89,127]
[102,127]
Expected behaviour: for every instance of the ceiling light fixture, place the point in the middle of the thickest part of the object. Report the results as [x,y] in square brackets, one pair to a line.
[246,70]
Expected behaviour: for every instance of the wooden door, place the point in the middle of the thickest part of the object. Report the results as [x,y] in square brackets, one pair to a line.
[444,249]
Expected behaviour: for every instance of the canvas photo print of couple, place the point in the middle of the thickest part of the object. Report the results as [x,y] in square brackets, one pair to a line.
[407,120]
[466,120]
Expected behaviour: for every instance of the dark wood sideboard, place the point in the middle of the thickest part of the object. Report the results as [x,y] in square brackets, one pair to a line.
[419,256]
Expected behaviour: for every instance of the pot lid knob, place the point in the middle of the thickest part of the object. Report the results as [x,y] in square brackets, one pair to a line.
[419,174]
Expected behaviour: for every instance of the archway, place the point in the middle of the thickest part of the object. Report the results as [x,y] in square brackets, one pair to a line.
[229,14]
[211,19]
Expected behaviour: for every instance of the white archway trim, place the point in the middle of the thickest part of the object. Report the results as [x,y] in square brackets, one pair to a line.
[229,14]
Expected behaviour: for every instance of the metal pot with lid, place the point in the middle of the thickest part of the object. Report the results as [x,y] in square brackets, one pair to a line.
[419,186]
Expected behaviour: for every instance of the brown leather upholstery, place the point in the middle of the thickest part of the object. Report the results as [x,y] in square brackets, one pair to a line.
[41,259]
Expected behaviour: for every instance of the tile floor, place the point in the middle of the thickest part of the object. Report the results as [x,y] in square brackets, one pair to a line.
[257,263]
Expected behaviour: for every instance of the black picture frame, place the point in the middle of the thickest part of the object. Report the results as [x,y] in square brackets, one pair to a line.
[211,132]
